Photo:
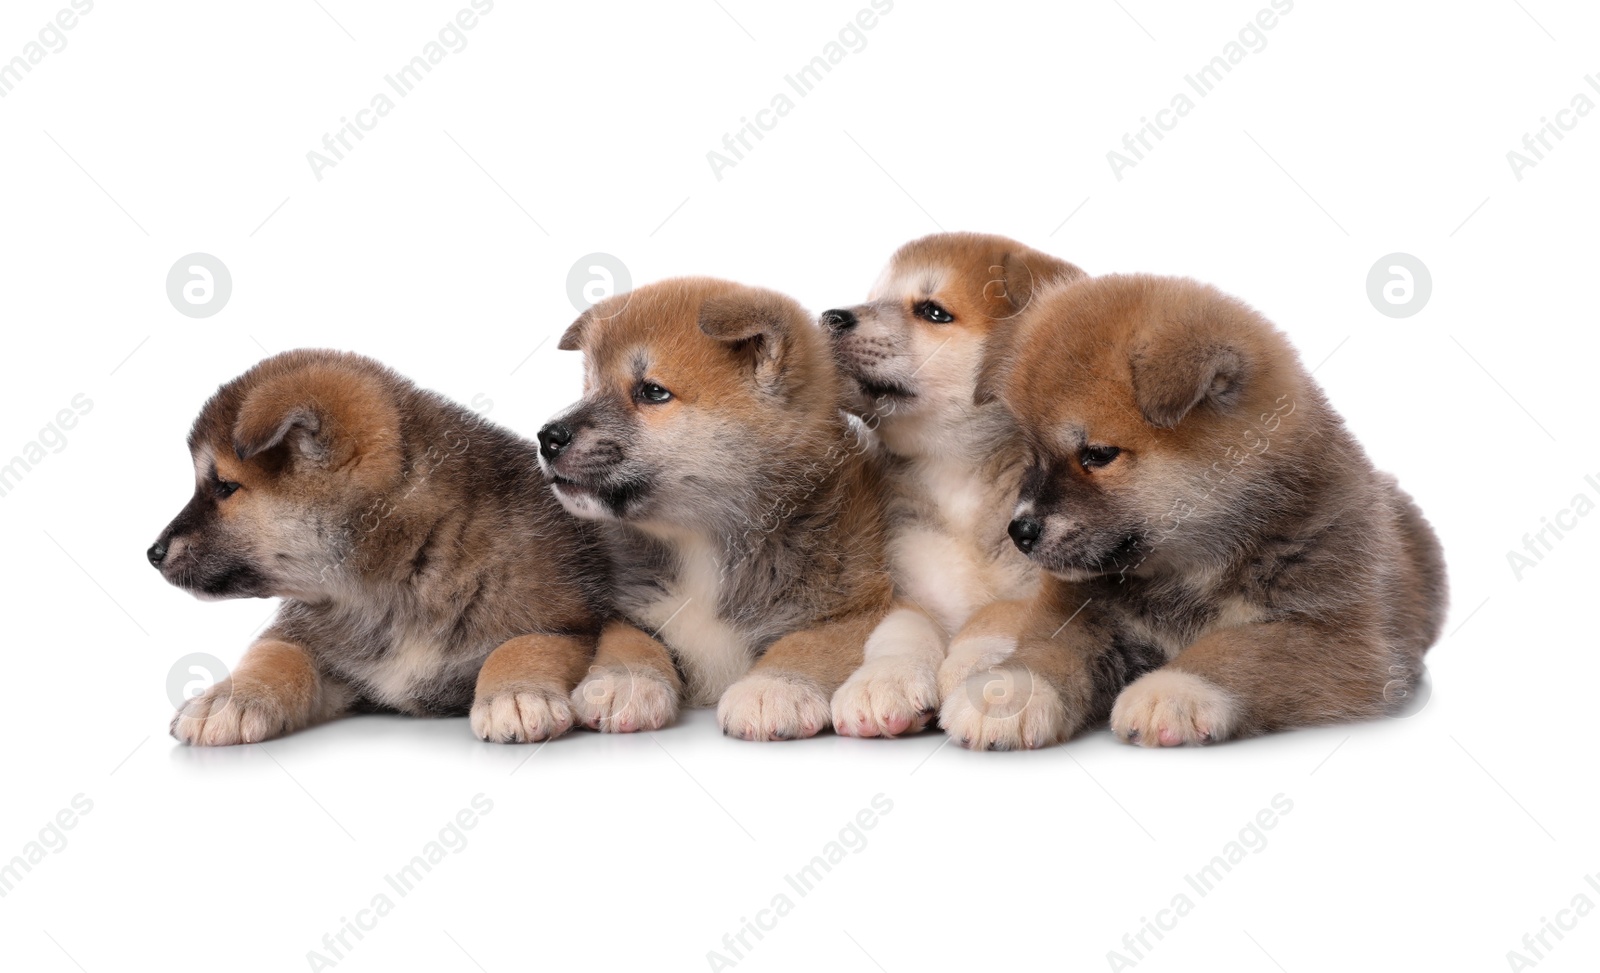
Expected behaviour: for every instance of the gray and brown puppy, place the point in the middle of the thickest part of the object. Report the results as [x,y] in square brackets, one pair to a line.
[1222,558]
[423,569]
[914,352]
[742,508]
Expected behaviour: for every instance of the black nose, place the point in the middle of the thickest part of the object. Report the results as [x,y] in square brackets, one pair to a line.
[1025,533]
[553,439]
[157,553]
[838,320]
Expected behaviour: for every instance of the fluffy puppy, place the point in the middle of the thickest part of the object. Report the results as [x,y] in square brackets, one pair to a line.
[423,569]
[741,507]
[913,353]
[1222,558]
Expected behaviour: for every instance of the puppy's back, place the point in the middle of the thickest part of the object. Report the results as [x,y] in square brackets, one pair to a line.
[1420,597]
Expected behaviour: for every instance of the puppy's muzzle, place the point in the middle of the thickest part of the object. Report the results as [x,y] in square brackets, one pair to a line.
[1025,532]
[553,439]
[838,320]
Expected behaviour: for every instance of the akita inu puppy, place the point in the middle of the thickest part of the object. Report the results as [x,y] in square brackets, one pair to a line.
[914,352]
[741,506]
[1222,558]
[423,569]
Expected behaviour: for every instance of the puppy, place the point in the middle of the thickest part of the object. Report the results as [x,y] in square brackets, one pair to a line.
[741,507]
[1222,558]
[422,568]
[913,353]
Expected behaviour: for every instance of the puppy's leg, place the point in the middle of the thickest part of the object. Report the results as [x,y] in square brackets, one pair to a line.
[632,684]
[1255,679]
[275,689]
[896,689]
[525,685]
[987,639]
[1033,698]
[786,693]
[1063,675]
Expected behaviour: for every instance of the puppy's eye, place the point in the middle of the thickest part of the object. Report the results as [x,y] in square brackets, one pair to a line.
[223,489]
[652,393]
[929,311]
[1095,457]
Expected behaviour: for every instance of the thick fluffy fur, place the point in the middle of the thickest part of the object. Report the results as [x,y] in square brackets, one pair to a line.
[741,508]
[914,352]
[422,566]
[1237,567]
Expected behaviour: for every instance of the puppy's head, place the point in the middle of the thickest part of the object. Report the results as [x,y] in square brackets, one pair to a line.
[1150,408]
[286,457]
[697,392]
[915,349]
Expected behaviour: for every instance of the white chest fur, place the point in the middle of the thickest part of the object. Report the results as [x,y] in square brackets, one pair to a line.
[712,653]
[950,563]
[414,661]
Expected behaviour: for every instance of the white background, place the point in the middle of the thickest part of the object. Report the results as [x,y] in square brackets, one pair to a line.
[442,245]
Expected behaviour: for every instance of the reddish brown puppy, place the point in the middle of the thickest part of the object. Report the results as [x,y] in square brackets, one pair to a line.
[913,353]
[1222,558]
[422,567]
[741,508]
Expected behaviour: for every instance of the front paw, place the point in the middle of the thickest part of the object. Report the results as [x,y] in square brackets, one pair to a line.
[773,707]
[225,715]
[528,715]
[886,697]
[1170,708]
[968,655]
[616,699]
[1005,708]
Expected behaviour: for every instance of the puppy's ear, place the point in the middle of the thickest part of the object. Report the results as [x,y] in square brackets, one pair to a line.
[1020,277]
[1183,366]
[327,414]
[578,331]
[765,323]
[998,349]
[751,313]
[572,338]
[264,424]
[1022,274]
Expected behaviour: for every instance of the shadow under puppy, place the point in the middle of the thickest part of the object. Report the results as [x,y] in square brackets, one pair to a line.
[423,569]
[1222,558]
[913,352]
[741,507]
